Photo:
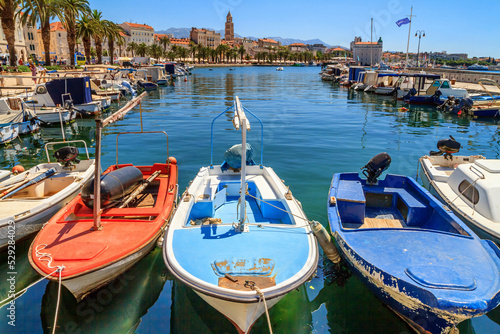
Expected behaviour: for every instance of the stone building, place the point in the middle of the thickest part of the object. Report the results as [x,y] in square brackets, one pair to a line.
[205,37]
[20,44]
[229,32]
[297,47]
[59,50]
[366,53]
[138,33]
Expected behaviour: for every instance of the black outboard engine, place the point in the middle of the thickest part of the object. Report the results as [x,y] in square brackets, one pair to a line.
[464,106]
[446,147]
[67,155]
[411,92]
[376,166]
[115,185]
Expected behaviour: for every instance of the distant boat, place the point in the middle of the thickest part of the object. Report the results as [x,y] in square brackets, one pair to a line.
[279,68]
[239,238]
[477,67]
[415,255]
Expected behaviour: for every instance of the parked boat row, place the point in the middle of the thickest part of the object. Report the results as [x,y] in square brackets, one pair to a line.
[228,238]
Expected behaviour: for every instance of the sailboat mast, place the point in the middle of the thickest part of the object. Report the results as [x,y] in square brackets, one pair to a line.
[409,31]
[371,43]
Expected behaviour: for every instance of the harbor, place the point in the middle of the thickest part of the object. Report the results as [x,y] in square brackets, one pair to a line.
[310,126]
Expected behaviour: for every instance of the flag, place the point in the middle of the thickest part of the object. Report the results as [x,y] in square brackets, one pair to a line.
[403,21]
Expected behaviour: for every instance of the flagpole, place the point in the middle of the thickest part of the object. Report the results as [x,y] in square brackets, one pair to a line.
[408,45]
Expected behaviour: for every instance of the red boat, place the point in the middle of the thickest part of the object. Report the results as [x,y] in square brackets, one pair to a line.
[91,258]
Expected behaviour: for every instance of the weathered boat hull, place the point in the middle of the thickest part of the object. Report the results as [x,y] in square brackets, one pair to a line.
[52,117]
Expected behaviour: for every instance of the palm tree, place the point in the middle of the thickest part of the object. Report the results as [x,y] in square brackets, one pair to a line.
[71,11]
[192,49]
[242,51]
[165,41]
[100,26]
[120,42]
[155,51]
[112,33]
[85,29]
[41,11]
[142,49]
[132,47]
[7,16]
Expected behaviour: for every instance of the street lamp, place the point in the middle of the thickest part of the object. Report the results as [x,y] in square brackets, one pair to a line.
[419,33]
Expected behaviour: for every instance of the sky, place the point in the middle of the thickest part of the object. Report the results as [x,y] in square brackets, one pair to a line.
[458,26]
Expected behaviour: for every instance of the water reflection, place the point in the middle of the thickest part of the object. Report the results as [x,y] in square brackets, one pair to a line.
[115,308]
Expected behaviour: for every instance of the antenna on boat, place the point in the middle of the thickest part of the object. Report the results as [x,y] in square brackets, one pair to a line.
[240,121]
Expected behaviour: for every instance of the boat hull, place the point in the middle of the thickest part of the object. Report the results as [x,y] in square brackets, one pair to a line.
[241,315]
[81,286]
[52,117]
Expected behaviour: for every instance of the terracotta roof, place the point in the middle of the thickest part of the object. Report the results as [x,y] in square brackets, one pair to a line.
[180,41]
[123,34]
[135,25]
[337,49]
[160,36]
[269,40]
[297,44]
[57,26]
[365,43]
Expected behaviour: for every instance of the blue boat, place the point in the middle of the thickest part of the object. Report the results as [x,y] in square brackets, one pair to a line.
[410,250]
[239,238]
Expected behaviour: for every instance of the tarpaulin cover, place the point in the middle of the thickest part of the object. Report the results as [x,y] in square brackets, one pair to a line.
[170,68]
[232,157]
[79,88]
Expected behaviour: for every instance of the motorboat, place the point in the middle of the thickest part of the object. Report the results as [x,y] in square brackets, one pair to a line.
[90,241]
[8,133]
[229,239]
[412,252]
[29,199]
[13,111]
[437,93]
[68,93]
[279,68]
[468,185]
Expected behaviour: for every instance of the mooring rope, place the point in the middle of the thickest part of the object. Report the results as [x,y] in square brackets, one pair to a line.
[47,257]
[254,287]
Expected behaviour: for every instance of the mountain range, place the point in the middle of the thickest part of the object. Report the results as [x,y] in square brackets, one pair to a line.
[184,33]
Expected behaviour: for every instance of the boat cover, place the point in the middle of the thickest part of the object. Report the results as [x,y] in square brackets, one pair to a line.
[79,88]
[232,157]
[16,117]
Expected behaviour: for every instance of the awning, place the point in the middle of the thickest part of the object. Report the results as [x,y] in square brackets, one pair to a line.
[124,59]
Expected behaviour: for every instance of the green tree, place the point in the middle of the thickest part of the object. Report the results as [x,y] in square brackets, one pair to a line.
[142,49]
[192,49]
[112,33]
[242,51]
[85,31]
[71,11]
[100,26]
[132,47]
[7,16]
[41,11]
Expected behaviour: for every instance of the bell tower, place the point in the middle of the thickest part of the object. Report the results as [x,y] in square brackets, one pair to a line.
[229,33]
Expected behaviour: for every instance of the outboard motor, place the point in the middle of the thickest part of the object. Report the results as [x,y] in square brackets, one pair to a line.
[127,85]
[67,155]
[232,157]
[448,104]
[376,166]
[114,186]
[463,106]
[411,92]
[446,147]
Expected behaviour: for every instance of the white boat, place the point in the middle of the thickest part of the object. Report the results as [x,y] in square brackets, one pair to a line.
[65,92]
[469,186]
[8,133]
[25,205]
[279,68]
[13,111]
[232,255]
[55,115]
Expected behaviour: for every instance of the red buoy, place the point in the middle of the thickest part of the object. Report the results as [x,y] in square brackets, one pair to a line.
[172,160]
[17,169]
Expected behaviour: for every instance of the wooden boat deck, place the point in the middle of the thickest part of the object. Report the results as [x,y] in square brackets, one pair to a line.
[378,223]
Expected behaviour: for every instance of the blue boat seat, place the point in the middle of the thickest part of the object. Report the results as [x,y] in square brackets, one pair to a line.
[414,212]
[351,202]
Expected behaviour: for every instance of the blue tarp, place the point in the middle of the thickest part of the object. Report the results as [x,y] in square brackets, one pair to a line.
[354,73]
[79,88]
[170,68]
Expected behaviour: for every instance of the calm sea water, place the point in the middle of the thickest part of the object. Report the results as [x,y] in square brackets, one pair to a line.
[311,130]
